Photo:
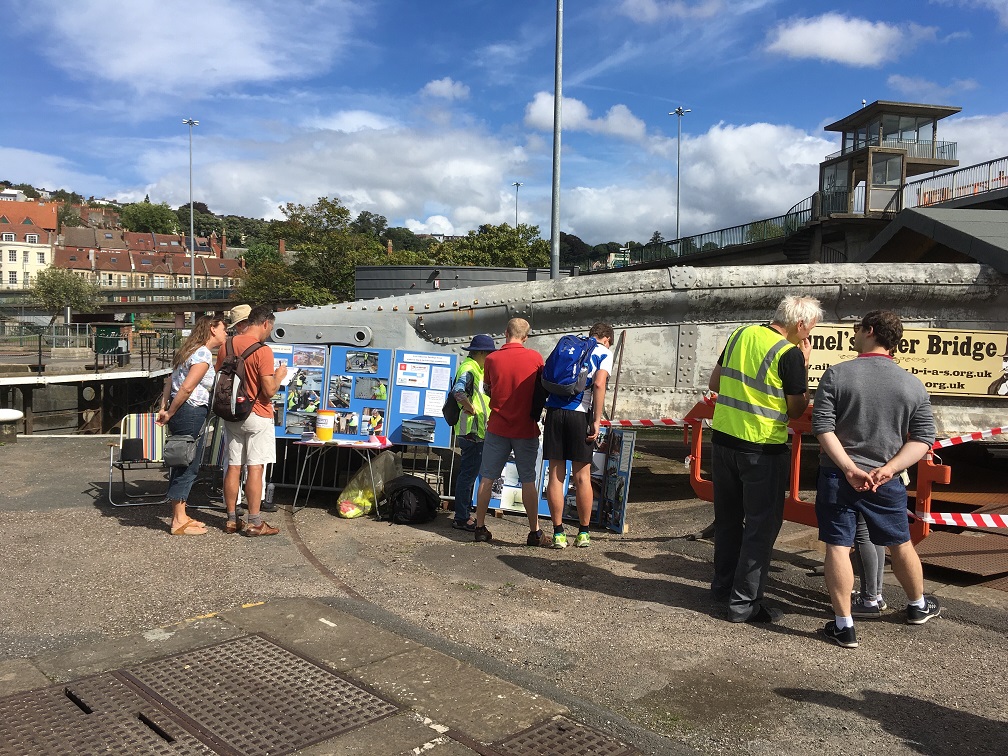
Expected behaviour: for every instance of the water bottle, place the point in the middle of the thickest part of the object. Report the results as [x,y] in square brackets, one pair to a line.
[269,493]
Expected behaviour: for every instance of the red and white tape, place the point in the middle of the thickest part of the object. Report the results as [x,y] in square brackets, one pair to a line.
[964,520]
[659,422]
[966,438]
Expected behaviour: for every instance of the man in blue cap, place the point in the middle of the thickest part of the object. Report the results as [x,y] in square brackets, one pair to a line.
[471,429]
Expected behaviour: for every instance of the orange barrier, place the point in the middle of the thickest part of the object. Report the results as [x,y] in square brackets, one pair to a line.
[795,509]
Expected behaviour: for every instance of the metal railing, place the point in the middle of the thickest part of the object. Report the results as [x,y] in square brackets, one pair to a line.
[56,335]
[921,150]
[18,297]
[747,233]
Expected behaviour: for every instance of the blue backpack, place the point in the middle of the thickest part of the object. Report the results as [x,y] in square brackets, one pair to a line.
[567,367]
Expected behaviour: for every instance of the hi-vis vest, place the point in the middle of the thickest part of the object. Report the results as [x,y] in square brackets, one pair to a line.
[481,403]
[751,403]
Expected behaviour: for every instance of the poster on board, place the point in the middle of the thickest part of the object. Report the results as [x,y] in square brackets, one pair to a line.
[948,362]
[617,448]
[356,390]
[303,389]
[283,354]
[417,390]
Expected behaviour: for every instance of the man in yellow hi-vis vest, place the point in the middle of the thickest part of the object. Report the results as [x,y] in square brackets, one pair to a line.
[761,380]
[471,428]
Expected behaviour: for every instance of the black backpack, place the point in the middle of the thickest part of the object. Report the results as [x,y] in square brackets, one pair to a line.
[230,398]
[409,500]
[451,411]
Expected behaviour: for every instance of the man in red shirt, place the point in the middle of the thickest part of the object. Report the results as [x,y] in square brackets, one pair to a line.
[510,375]
[252,442]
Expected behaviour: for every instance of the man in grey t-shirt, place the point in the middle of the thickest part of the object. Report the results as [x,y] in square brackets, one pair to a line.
[873,420]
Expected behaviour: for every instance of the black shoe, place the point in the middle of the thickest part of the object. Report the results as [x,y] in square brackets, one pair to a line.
[918,616]
[846,637]
[470,526]
[264,507]
[765,615]
[482,534]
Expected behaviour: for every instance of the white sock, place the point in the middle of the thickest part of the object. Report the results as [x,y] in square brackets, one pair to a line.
[919,603]
[869,602]
[878,598]
[842,622]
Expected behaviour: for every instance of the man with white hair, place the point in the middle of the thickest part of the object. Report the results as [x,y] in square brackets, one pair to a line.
[761,380]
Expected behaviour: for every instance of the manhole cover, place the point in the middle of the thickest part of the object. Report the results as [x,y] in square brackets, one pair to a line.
[259,698]
[97,715]
[562,737]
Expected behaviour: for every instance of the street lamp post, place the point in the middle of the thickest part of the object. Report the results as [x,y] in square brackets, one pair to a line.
[516,184]
[192,239]
[680,111]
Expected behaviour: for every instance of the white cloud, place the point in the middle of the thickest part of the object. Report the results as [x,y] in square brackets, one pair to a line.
[921,90]
[189,46]
[840,39]
[618,120]
[446,88]
[979,138]
[998,7]
[50,172]
[349,121]
[649,11]
[435,224]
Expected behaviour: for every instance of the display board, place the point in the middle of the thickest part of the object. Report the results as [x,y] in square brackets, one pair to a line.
[357,390]
[283,354]
[419,385]
[618,450]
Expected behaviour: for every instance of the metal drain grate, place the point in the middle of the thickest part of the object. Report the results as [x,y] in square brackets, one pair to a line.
[978,553]
[562,737]
[97,715]
[259,698]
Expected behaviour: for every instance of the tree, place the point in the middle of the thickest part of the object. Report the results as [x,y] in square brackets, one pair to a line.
[145,217]
[68,217]
[762,230]
[573,251]
[404,240]
[55,289]
[369,224]
[656,238]
[273,282]
[261,252]
[496,246]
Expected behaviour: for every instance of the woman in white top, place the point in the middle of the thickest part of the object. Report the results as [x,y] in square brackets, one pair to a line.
[184,407]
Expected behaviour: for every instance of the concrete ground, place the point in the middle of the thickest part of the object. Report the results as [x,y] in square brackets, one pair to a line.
[474,643]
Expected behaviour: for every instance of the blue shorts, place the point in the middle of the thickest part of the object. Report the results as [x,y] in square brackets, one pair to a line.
[837,505]
[497,449]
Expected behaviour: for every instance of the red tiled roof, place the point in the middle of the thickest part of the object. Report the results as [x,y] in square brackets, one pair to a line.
[41,214]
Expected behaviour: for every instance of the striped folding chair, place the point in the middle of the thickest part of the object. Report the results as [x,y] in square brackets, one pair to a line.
[140,447]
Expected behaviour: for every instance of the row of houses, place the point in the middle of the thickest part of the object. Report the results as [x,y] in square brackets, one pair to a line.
[112,258]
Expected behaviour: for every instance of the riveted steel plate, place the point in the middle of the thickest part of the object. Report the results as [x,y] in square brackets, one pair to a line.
[981,554]
[98,715]
[562,737]
[998,584]
[259,698]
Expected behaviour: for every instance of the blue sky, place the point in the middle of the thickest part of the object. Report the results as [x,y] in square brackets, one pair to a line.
[427,111]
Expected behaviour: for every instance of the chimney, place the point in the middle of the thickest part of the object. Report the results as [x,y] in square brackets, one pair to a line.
[389,253]
[283,248]
[223,244]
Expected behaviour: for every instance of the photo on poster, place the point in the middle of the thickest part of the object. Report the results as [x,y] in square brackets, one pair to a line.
[371,388]
[299,423]
[362,362]
[346,423]
[309,356]
[418,430]
[278,412]
[372,421]
[339,391]
[304,391]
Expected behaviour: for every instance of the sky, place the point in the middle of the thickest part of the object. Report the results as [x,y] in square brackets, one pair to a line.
[428,111]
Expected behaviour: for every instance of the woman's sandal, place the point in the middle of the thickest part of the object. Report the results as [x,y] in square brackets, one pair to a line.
[190,527]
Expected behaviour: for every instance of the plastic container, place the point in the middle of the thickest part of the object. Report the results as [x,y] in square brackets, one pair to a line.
[325,421]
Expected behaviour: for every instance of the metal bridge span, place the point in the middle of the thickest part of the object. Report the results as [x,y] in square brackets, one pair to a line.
[677,319]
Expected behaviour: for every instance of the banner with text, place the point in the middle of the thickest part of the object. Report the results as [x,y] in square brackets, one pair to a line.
[948,362]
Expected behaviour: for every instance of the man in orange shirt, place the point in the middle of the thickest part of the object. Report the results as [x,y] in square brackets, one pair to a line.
[510,375]
[251,442]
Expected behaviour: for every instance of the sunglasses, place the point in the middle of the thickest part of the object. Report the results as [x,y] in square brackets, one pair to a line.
[859,326]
